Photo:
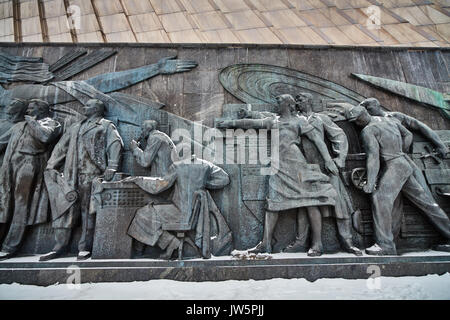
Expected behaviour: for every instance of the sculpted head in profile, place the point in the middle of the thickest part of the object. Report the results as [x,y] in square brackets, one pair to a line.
[372,105]
[16,110]
[38,108]
[94,108]
[304,103]
[286,104]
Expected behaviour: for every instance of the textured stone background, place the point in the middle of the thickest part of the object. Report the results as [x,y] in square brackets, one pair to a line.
[198,95]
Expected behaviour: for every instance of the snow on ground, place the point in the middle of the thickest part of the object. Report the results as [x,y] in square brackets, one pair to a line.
[426,287]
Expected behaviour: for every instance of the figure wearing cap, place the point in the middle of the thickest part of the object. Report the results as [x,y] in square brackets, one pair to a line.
[386,143]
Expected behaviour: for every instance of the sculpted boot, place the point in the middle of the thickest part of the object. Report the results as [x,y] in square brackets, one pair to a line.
[376,250]
[261,248]
[296,246]
[350,248]
[314,253]
[174,244]
[6,255]
[83,255]
[443,247]
[51,255]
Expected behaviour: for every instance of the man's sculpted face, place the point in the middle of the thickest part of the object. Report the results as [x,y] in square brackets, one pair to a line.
[304,102]
[16,110]
[285,103]
[93,108]
[38,110]
[148,126]
[373,107]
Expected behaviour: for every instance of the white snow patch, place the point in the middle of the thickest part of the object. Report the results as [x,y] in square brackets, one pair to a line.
[426,287]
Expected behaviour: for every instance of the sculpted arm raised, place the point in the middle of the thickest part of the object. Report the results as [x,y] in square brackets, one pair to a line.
[59,152]
[265,123]
[46,130]
[146,157]
[114,81]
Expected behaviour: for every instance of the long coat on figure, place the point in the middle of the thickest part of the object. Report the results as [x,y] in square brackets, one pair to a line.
[38,203]
[103,145]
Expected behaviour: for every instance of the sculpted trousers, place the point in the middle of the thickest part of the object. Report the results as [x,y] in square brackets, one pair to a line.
[146,228]
[397,212]
[399,177]
[344,227]
[62,235]
[24,175]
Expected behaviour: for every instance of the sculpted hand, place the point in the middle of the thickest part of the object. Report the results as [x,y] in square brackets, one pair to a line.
[331,167]
[171,65]
[223,123]
[109,174]
[442,151]
[369,188]
[133,145]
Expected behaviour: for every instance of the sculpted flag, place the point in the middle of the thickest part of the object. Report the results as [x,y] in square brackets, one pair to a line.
[16,68]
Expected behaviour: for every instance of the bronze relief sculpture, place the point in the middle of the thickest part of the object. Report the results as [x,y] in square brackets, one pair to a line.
[59,162]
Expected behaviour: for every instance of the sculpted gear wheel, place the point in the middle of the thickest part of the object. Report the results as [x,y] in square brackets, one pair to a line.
[359,177]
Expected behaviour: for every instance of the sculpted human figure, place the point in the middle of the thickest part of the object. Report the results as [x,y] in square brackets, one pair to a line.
[158,152]
[23,195]
[88,149]
[296,184]
[190,207]
[343,209]
[157,155]
[385,143]
[373,107]
[15,113]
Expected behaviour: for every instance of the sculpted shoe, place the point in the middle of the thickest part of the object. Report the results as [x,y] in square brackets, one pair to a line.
[83,255]
[354,250]
[314,253]
[350,248]
[6,255]
[261,248]
[50,256]
[296,246]
[442,247]
[376,250]
[174,244]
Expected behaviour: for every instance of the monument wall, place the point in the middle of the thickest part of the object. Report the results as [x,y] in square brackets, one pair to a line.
[198,95]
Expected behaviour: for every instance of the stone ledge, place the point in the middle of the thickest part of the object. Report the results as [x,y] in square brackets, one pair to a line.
[28,270]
